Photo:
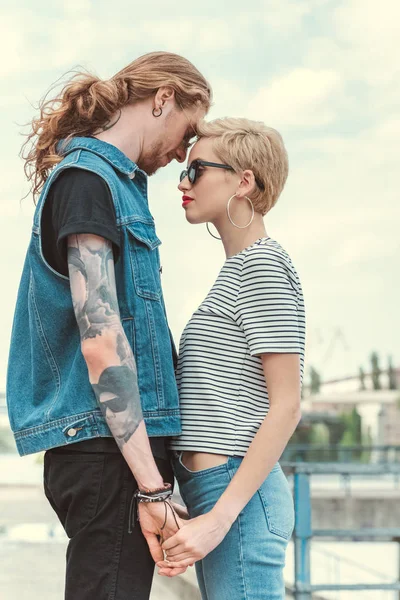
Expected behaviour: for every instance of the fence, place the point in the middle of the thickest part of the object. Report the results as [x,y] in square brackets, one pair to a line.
[304,533]
[342,454]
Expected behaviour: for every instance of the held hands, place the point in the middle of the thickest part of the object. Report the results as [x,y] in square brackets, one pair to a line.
[196,538]
[152,519]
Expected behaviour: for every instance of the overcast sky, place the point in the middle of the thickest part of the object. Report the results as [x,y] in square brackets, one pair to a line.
[325,73]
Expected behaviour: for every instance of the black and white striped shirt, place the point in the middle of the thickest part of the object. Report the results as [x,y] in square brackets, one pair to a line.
[255,306]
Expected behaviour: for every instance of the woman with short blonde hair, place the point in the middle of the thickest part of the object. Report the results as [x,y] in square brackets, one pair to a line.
[239,372]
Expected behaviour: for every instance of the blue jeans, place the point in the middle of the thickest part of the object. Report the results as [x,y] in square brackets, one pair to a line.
[248,564]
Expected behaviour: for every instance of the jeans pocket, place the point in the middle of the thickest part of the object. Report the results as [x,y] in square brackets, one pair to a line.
[73,483]
[277,500]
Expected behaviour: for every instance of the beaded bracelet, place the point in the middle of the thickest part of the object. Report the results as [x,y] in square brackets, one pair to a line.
[160,497]
[167,486]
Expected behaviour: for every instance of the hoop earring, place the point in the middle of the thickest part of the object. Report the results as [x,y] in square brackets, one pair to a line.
[229,215]
[159,114]
[212,235]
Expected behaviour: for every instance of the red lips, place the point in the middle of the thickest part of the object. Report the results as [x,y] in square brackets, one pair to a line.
[186,200]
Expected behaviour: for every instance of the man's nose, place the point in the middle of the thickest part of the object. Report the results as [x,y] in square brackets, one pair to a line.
[180,154]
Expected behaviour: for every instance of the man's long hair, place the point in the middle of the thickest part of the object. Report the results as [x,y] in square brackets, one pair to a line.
[87,103]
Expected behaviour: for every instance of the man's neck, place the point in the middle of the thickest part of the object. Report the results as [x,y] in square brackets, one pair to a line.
[121,135]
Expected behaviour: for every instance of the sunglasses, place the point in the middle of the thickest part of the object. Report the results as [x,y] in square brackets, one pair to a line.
[116,405]
[193,171]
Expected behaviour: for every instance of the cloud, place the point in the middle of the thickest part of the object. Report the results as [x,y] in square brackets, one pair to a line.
[180,34]
[363,247]
[286,16]
[300,98]
[230,98]
[322,72]
[362,45]
[371,32]
[12,45]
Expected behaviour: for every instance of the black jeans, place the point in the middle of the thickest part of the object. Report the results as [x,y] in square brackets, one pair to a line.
[90,486]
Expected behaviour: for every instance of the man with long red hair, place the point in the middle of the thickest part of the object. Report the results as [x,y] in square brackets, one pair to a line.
[91,365]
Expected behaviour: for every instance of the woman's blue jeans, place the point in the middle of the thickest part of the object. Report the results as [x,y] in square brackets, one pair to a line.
[248,564]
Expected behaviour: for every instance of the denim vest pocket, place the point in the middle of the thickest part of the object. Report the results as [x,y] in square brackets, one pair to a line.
[145,260]
[277,500]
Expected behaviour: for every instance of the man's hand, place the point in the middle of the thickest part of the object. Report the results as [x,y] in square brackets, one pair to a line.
[196,538]
[152,518]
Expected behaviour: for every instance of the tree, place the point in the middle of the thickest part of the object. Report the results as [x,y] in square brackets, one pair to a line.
[336,431]
[362,387]
[392,376]
[375,372]
[315,381]
[352,435]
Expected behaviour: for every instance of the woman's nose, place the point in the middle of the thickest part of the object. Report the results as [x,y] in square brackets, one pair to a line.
[184,185]
[181,186]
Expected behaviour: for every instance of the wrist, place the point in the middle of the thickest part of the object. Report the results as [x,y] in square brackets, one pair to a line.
[225,514]
[149,484]
[154,491]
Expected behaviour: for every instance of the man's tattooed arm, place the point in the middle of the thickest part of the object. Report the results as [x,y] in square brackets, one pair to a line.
[111,364]
[108,355]
[112,371]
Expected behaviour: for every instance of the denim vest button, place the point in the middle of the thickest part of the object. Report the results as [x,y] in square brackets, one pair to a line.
[72,432]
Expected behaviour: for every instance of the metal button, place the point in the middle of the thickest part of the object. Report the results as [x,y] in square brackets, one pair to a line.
[72,432]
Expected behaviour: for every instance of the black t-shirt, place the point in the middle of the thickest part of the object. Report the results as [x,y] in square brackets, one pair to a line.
[80,201]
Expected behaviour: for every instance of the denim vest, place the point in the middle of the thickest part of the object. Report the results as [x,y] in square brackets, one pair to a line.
[50,400]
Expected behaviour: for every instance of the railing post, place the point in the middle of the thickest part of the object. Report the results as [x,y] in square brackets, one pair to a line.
[302,535]
[398,562]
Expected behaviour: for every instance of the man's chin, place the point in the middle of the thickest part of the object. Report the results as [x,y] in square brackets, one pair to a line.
[149,169]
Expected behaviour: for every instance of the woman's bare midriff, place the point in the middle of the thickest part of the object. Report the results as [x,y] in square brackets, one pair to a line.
[197,461]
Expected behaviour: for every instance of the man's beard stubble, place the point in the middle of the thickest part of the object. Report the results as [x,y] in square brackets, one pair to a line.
[150,163]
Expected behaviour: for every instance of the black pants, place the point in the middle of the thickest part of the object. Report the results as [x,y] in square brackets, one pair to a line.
[91,490]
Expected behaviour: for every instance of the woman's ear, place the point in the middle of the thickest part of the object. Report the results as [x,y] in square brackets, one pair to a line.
[247,184]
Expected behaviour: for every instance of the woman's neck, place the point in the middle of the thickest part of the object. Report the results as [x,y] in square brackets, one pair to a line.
[235,240]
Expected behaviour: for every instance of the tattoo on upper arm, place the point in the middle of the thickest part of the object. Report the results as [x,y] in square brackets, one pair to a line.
[94,296]
[91,268]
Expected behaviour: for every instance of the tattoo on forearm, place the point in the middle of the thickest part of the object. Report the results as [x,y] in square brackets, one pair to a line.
[114,393]
[94,296]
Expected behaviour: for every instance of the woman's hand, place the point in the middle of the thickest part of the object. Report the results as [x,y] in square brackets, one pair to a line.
[196,538]
[180,510]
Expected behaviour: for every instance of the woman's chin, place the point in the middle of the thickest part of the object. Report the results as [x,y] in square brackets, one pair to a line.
[192,219]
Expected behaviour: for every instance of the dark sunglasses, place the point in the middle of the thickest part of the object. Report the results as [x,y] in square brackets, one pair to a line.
[192,172]
[116,405]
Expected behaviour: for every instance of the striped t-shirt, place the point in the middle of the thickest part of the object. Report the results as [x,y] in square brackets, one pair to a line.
[255,306]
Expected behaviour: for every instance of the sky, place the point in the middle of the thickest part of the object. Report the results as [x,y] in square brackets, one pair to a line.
[325,73]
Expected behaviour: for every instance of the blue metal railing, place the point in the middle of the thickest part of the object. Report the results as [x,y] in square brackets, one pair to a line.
[304,532]
[337,453]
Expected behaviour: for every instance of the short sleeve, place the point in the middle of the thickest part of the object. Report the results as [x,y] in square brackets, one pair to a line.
[79,202]
[84,205]
[267,303]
